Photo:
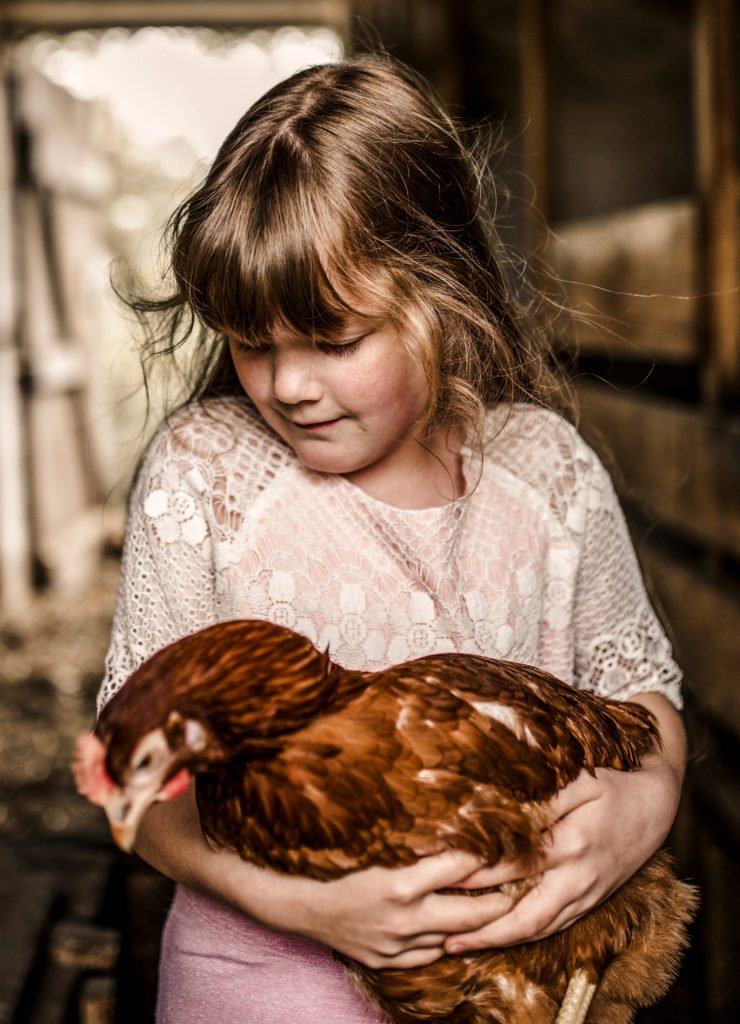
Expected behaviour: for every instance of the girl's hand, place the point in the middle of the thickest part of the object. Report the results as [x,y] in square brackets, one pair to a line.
[381,917]
[395,918]
[390,918]
[605,828]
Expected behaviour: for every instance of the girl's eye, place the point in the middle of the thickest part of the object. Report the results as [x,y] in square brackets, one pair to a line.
[143,763]
[340,348]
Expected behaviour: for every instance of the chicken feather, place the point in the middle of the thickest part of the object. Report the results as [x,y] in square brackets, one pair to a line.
[304,767]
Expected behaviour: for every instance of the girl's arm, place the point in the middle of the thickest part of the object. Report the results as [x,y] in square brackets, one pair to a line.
[606,828]
[383,918]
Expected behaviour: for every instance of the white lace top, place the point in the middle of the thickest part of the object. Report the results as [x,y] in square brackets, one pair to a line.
[534,565]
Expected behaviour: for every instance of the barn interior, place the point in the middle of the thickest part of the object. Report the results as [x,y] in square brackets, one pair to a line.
[616,155]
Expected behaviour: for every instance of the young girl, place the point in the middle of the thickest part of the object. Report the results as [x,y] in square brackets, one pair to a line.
[371,459]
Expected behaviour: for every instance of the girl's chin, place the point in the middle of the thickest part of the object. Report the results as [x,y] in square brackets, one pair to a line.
[333,458]
[335,465]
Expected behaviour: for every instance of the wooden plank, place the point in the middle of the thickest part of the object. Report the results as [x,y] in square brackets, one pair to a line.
[422,35]
[27,903]
[632,280]
[87,947]
[718,142]
[76,948]
[15,540]
[703,613]
[63,158]
[98,1000]
[536,108]
[80,14]
[679,463]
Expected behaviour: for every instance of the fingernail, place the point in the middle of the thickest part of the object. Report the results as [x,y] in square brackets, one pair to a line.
[456,947]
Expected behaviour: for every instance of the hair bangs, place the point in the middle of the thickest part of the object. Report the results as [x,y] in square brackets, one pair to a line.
[269,254]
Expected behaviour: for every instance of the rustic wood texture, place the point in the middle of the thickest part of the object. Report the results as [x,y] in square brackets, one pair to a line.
[680,462]
[60,186]
[98,1000]
[27,907]
[680,467]
[86,946]
[633,281]
[67,15]
[535,87]
[15,539]
[708,842]
[424,36]
[718,141]
[702,611]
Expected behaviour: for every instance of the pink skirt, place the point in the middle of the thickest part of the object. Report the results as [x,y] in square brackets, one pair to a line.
[217,965]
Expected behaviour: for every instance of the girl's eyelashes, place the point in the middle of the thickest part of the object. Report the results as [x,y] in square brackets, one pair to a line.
[248,347]
[332,348]
[340,348]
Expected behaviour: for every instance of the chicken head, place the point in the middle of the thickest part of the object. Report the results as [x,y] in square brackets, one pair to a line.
[159,769]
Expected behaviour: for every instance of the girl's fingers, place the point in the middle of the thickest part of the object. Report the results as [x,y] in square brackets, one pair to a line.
[439,871]
[451,914]
[426,940]
[499,874]
[410,958]
[526,921]
[541,912]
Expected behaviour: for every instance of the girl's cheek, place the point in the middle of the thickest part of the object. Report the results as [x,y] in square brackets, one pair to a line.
[252,376]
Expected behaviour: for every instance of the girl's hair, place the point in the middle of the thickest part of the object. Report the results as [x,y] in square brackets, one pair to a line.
[347,189]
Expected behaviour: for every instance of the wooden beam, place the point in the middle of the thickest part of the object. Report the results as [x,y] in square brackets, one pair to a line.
[632,280]
[703,614]
[534,65]
[677,462]
[424,35]
[15,539]
[67,15]
[718,140]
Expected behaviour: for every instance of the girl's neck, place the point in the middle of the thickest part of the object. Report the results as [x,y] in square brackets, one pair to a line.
[426,475]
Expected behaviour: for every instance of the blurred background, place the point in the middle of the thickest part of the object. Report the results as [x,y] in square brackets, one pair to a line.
[618,147]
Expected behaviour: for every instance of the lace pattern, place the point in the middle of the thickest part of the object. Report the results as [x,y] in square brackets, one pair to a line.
[535,564]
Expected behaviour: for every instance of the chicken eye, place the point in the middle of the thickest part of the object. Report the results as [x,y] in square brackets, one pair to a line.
[145,762]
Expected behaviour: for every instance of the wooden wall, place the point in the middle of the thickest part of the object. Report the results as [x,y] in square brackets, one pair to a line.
[634,153]
[622,125]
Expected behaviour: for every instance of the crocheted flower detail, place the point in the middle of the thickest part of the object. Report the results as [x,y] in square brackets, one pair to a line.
[175,517]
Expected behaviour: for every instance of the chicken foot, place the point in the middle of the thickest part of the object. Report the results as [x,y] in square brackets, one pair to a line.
[577,999]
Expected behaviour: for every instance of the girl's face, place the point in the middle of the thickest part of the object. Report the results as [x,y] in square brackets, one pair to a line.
[349,406]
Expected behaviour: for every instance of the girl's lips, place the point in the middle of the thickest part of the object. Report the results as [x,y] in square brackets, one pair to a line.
[316,426]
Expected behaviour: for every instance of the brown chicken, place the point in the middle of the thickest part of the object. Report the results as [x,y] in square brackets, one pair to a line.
[304,767]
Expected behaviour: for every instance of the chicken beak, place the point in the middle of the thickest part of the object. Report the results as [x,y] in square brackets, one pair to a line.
[124,812]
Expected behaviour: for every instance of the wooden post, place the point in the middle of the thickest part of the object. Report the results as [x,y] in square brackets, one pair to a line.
[718,138]
[535,105]
[424,35]
[15,576]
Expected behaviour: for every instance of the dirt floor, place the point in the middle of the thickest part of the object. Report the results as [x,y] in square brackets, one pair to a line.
[51,664]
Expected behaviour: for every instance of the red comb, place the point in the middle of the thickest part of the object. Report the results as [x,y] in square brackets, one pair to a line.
[93,781]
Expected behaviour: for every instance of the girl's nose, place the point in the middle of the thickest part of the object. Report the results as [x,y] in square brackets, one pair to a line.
[294,377]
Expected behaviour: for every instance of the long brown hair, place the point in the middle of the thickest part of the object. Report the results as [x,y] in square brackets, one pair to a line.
[348,187]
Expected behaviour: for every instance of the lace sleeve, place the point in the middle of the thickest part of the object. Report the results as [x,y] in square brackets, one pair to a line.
[621,648]
[167,584]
